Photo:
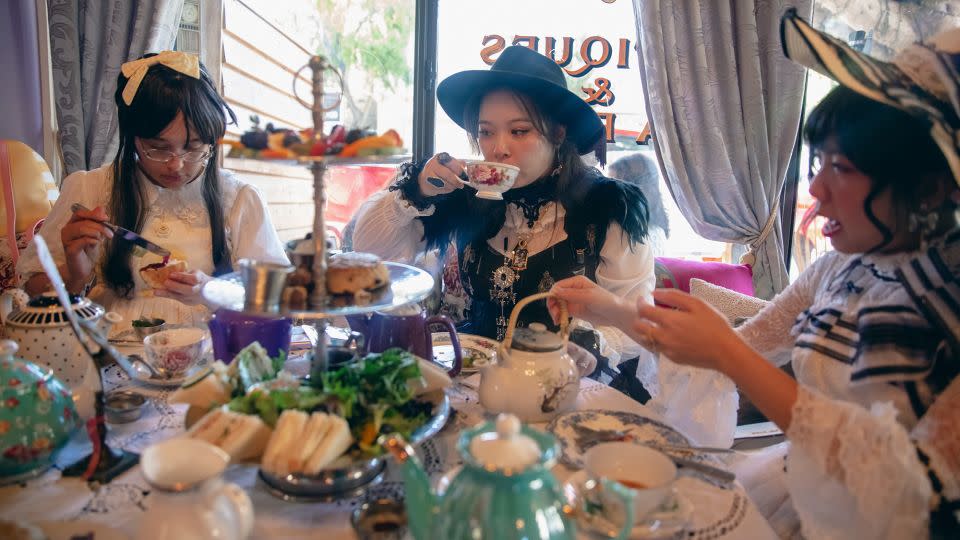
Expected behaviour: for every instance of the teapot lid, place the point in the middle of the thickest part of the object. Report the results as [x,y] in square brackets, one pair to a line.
[44,311]
[505,448]
[536,338]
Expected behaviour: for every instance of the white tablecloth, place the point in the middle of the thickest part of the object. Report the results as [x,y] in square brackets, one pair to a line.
[719,512]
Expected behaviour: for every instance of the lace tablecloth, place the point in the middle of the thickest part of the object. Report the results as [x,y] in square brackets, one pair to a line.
[719,512]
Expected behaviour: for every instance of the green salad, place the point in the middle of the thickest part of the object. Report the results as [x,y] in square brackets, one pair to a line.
[371,394]
[146,323]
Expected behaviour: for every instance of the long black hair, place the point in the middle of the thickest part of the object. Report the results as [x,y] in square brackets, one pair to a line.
[888,145]
[569,181]
[162,94]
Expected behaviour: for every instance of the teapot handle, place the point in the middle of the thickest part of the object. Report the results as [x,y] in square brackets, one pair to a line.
[564,317]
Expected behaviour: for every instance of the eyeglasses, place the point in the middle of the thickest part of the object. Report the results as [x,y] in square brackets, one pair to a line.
[164,156]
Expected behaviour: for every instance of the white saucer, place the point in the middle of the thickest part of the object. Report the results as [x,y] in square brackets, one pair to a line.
[671,521]
[143,376]
[66,530]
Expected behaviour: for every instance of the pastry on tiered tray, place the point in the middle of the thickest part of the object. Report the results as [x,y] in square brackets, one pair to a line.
[355,272]
[352,273]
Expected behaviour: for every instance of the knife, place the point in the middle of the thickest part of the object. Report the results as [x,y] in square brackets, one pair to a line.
[82,328]
[129,236]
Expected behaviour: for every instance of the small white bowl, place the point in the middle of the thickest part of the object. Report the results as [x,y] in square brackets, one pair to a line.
[173,352]
[491,179]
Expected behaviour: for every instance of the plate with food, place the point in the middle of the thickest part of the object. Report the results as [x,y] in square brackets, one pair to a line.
[578,431]
[478,351]
[319,442]
[358,283]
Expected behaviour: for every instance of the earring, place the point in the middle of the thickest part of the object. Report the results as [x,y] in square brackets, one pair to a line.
[925,222]
[559,167]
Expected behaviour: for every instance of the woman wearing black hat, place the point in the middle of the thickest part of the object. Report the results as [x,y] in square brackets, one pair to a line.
[560,219]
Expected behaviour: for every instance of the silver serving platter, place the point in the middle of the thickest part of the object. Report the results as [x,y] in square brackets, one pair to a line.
[408,284]
[352,480]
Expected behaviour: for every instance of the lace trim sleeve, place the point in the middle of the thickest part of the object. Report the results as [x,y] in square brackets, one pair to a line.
[410,201]
[386,223]
[769,331]
[854,472]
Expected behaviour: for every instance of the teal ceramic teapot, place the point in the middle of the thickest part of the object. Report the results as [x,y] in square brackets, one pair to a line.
[504,491]
[37,416]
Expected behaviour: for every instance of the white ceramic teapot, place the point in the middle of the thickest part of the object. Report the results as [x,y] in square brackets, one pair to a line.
[534,377]
[43,332]
[189,499]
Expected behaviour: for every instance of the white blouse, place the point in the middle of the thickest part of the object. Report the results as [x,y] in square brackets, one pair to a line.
[177,220]
[386,225]
[865,406]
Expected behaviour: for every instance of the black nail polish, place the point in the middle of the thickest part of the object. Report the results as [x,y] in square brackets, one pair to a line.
[435,181]
[463,176]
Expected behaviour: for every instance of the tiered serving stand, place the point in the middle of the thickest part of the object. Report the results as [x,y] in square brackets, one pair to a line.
[408,284]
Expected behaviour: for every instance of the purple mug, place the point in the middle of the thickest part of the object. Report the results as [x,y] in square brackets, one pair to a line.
[231,331]
[382,331]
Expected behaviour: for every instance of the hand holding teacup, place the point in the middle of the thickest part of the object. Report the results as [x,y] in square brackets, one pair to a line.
[444,174]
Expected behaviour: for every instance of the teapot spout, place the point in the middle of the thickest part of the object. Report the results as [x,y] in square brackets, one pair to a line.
[421,501]
[109,320]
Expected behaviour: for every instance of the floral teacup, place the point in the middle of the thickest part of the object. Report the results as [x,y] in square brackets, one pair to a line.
[491,179]
[172,353]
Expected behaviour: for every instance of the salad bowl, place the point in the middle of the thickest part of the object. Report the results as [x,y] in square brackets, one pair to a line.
[348,476]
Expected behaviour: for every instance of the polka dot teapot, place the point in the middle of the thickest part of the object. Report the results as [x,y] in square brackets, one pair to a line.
[41,329]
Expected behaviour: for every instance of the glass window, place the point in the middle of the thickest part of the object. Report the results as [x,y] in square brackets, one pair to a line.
[595,43]
[265,42]
[877,28]
[369,42]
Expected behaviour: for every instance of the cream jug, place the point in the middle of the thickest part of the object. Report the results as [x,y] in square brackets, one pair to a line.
[189,499]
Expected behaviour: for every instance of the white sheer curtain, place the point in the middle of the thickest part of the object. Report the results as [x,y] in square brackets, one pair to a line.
[88,43]
[724,105]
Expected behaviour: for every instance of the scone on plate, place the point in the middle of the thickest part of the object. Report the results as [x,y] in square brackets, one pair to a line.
[155,274]
[353,272]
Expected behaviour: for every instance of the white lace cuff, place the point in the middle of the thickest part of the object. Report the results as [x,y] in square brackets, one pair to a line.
[701,403]
[406,208]
[853,472]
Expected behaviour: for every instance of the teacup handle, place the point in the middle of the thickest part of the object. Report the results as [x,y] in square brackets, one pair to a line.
[625,495]
[515,314]
[454,340]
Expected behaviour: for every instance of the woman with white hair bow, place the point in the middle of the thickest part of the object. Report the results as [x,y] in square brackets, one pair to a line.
[164,184]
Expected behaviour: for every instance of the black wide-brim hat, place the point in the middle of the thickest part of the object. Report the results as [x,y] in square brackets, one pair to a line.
[923,79]
[536,76]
